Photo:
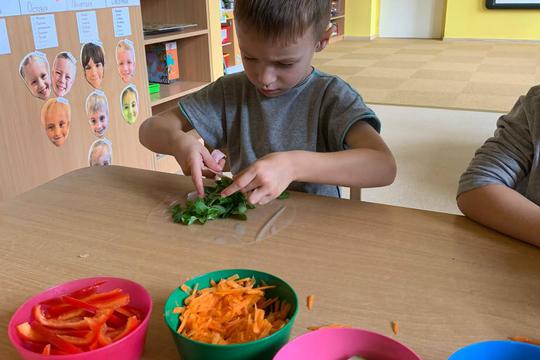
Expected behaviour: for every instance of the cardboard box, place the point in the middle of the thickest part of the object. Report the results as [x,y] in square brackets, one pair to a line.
[162,60]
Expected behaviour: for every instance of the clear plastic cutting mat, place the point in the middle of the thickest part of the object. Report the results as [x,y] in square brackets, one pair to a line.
[262,222]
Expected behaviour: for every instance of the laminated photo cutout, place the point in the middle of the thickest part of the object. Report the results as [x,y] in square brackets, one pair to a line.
[56,120]
[97,112]
[125,60]
[100,153]
[34,70]
[129,103]
[93,63]
[64,72]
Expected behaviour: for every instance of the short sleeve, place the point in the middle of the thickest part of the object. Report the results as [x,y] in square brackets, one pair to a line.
[505,158]
[341,108]
[205,111]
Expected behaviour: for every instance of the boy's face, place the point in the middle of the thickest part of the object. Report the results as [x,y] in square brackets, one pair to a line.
[130,108]
[38,79]
[274,68]
[126,65]
[99,122]
[63,76]
[100,156]
[94,73]
[57,125]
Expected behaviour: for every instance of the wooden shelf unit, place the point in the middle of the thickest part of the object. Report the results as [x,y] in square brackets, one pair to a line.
[194,55]
[338,18]
[231,51]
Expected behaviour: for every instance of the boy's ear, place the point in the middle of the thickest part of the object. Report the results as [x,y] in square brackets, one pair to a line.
[325,37]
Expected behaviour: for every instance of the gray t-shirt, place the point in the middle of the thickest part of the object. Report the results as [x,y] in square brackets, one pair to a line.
[315,115]
[511,156]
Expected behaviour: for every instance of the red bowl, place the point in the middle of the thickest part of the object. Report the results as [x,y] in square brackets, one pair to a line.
[127,348]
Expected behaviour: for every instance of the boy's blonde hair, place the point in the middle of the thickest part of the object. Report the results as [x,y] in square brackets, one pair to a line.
[125,45]
[96,101]
[283,21]
[35,57]
[61,103]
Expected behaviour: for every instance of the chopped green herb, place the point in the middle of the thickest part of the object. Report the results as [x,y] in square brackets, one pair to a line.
[213,206]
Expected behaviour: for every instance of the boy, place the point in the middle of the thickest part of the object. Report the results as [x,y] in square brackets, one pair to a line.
[56,120]
[281,122]
[93,62]
[100,153]
[97,111]
[501,187]
[130,104]
[125,60]
[34,70]
[64,73]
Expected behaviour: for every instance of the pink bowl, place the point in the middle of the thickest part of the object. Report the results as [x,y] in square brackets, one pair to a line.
[340,344]
[128,348]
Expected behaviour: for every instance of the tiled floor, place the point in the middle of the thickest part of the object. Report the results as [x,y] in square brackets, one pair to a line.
[431,139]
[474,75]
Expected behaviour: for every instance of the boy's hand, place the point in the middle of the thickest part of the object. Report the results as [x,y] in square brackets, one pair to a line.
[193,157]
[264,180]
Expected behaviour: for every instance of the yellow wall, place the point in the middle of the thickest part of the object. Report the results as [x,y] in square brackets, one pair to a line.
[375,17]
[358,18]
[470,19]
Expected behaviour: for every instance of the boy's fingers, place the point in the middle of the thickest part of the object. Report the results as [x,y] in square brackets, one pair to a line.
[239,183]
[209,161]
[196,177]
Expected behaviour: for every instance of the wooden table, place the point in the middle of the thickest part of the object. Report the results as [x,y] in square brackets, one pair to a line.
[446,280]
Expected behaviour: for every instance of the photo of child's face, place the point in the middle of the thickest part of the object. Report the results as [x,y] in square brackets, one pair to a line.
[130,106]
[97,112]
[93,62]
[125,60]
[94,73]
[35,72]
[99,122]
[63,75]
[56,120]
[100,153]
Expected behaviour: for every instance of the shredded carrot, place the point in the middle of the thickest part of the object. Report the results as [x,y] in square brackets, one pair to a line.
[178,310]
[312,328]
[309,302]
[395,326]
[185,288]
[231,311]
[525,340]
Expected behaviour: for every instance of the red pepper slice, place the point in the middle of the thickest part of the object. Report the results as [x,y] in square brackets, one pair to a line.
[114,320]
[46,350]
[94,324]
[27,333]
[57,324]
[128,311]
[78,294]
[131,324]
[54,339]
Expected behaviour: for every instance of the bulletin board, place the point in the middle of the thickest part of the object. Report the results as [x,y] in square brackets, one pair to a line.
[29,152]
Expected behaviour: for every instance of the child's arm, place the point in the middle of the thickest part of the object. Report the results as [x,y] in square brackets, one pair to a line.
[504,210]
[168,135]
[367,163]
[487,190]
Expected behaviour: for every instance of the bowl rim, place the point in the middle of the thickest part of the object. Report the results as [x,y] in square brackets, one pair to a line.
[486,342]
[345,329]
[232,346]
[12,333]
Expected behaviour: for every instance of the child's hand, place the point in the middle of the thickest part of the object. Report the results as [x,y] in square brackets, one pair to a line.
[193,157]
[264,180]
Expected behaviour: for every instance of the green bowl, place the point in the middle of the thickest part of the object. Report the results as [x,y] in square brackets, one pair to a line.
[261,349]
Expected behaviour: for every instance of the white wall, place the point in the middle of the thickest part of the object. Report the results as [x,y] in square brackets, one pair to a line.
[412,18]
